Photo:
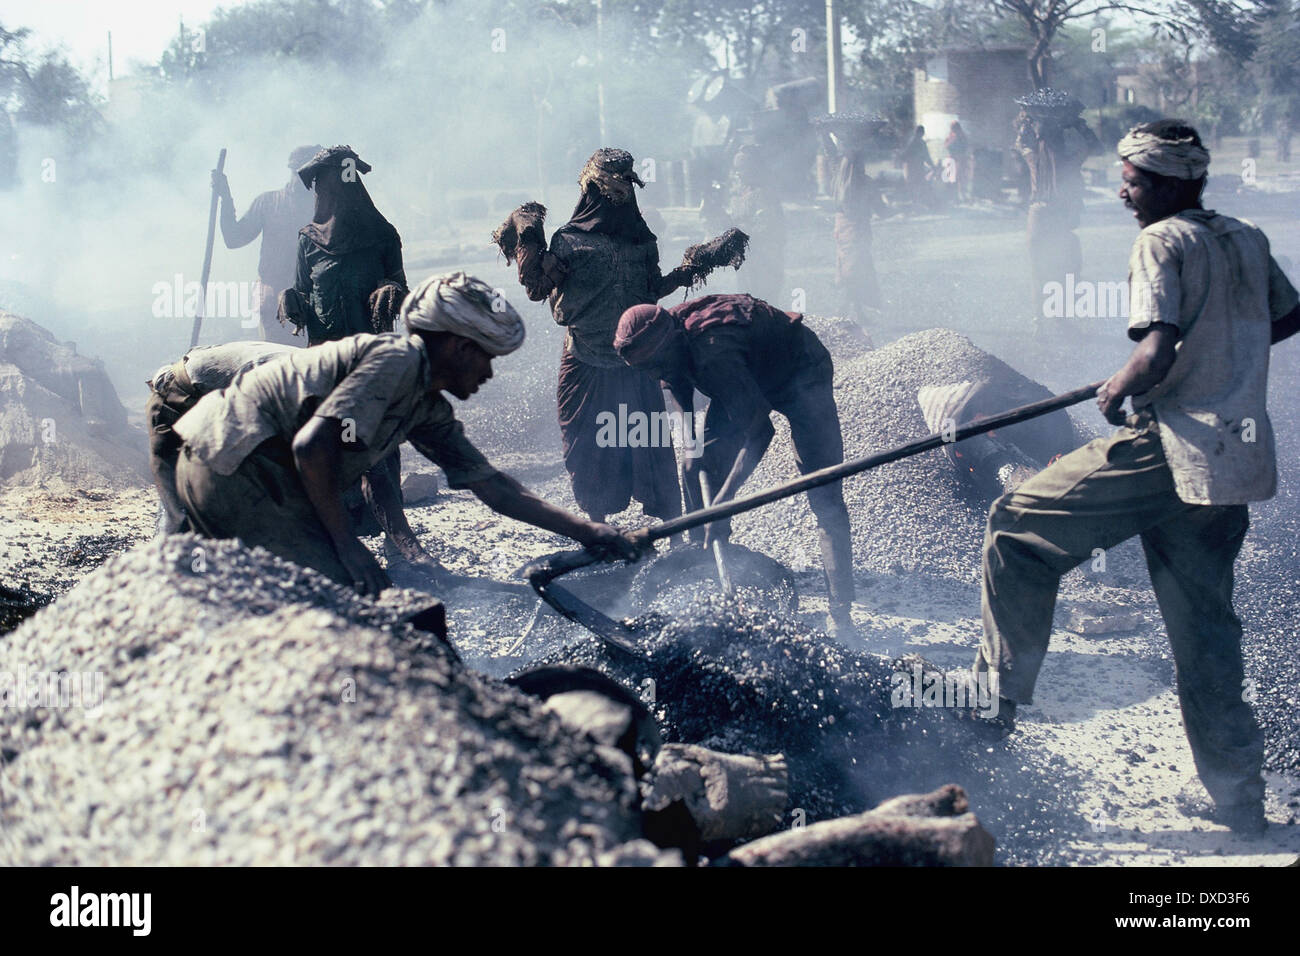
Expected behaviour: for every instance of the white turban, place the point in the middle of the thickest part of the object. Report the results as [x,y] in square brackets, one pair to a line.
[466,306]
[1176,158]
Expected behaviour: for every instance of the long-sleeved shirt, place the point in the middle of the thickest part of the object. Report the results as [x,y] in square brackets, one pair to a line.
[276,216]
[743,354]
[338,285]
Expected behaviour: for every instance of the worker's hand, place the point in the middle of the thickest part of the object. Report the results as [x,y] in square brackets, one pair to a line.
[221,185]
[1110,401]
[603,537]
[367,576]
[385,306]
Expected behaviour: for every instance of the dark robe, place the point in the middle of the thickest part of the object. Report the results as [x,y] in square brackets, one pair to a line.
[347,252]
[611,261]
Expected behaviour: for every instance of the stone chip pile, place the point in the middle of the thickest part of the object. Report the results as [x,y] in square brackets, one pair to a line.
[910,516]
[253,712]
[60,418]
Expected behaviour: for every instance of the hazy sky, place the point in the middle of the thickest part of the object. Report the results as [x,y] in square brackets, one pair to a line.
[141,28]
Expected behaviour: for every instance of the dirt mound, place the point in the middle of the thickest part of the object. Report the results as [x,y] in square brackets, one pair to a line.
[60,417]
[251,712]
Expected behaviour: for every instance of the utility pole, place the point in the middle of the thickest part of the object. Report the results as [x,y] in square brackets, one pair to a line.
[834,57]
[110,56]
[600,69]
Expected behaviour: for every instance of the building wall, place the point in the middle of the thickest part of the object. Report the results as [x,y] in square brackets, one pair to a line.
[975,87]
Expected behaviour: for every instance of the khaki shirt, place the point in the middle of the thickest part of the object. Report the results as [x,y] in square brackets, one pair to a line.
[376,386]
[1213,277]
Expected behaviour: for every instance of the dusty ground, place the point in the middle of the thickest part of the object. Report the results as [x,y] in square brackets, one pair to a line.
[1117,781]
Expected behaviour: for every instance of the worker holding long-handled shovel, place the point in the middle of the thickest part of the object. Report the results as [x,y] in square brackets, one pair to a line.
[1206,302]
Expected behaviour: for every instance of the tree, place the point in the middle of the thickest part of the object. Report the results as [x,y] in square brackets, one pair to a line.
[1262,39]
[45,90]
[1277,64]
[1042,20]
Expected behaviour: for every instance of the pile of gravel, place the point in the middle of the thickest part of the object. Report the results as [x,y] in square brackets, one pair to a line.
[843,338]
[911,516]
[252,712]
[61,421]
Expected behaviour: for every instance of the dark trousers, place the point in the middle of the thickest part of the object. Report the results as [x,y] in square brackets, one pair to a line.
[808,404]
[607,478]
[263,504]
[1096,497]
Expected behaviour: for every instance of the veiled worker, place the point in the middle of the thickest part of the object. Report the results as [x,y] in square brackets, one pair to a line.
[750,358]
[347,254]
[1206,300]
[603,260]
[267,460]
[350,280]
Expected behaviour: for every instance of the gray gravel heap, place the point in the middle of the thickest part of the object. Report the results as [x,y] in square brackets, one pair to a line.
[909,516]
[60,417]
[255,713]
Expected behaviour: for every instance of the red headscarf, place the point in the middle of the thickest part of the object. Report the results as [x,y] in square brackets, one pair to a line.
[642,331]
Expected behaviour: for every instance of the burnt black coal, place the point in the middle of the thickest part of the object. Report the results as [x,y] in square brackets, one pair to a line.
[745,680]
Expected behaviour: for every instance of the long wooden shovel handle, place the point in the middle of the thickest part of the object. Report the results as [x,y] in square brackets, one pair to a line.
[207,255]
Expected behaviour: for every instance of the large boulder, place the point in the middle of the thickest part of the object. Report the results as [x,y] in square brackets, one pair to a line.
[60,418]
[237,709]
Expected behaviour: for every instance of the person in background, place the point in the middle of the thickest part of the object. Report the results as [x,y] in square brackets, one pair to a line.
[1054,141]
[755,208]
[1207,301]
[918,167]
[347,254]
[276,216]
[856,198]
[349,281]
[962,157]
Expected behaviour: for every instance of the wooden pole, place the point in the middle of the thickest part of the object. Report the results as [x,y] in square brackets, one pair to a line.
[600,70]
[207,255]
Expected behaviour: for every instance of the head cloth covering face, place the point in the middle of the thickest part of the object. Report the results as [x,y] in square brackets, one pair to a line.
[611,171]
[1175,158]
[463,305]
[334,156]
[642,331]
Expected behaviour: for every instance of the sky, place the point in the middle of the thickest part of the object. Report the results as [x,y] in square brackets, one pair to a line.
[141,28]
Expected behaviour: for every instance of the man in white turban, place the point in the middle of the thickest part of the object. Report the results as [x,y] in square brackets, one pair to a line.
[1206,301]
[267,459]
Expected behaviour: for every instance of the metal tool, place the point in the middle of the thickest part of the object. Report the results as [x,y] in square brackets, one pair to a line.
[542,574]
